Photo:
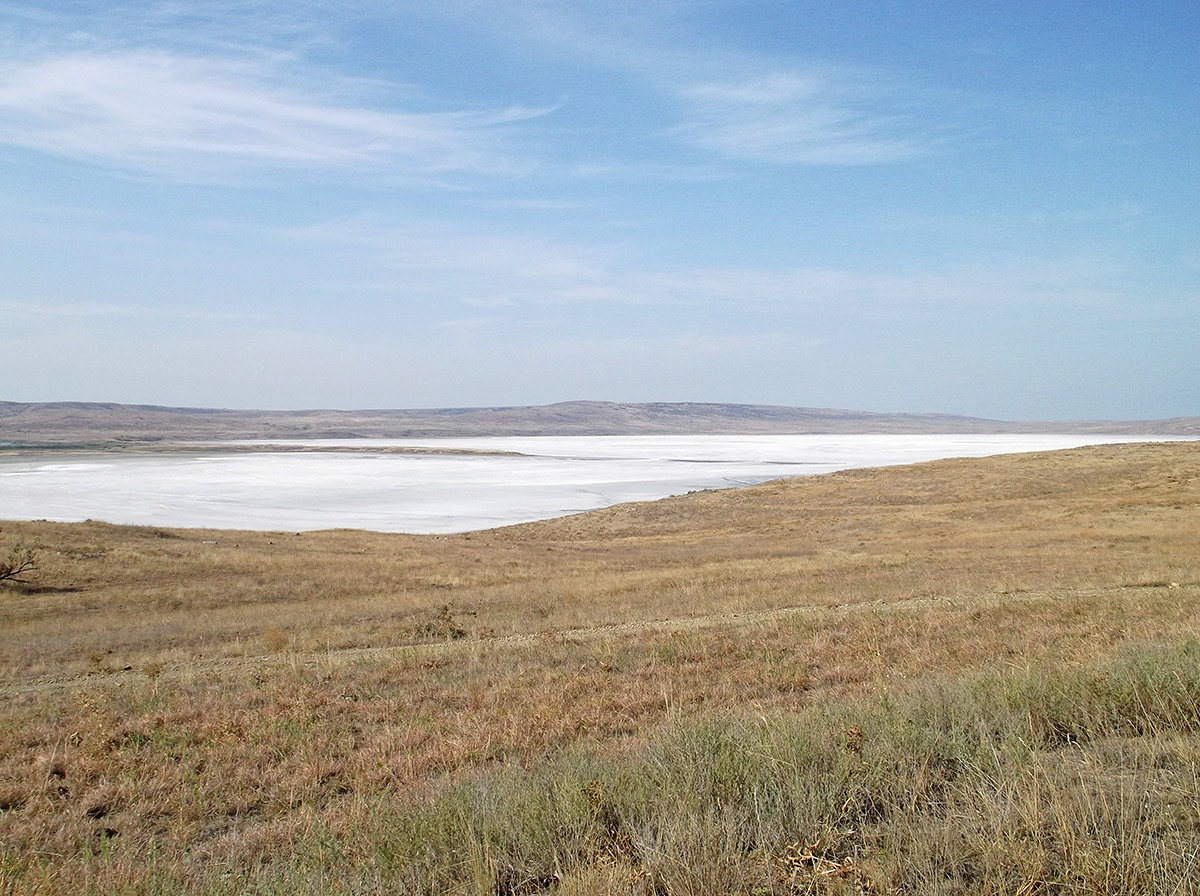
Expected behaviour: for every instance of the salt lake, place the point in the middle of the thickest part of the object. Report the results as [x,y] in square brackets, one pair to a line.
[370,488]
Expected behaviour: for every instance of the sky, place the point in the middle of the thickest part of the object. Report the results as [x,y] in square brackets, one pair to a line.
[960,207]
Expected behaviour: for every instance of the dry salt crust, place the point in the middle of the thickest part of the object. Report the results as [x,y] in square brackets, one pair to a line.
[430,493]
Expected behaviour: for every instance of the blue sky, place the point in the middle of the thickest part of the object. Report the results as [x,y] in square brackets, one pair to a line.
[979,208]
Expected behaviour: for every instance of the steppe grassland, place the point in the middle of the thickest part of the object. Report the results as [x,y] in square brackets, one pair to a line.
[216,710]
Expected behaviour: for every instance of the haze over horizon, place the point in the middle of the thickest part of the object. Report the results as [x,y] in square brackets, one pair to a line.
[977,209]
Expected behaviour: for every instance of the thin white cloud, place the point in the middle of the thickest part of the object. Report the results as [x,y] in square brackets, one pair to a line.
[65,312]
[451,265]
[164,113]
[443,265]
[796,119]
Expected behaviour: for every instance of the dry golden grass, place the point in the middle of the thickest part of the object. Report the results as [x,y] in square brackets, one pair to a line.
[189,700]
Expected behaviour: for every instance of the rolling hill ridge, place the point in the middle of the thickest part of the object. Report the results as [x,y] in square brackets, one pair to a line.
[70,422]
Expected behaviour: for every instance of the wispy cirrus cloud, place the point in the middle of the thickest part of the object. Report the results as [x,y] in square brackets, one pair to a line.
[797,119]
[191,116]
[741,105]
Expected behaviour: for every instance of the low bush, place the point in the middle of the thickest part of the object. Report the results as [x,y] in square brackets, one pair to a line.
[19,561]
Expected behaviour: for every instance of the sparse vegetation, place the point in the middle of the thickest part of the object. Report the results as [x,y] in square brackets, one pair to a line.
[1032,781]
[962,677]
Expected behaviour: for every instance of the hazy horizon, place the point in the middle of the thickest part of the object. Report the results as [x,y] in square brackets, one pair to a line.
[868,412]
[974,210]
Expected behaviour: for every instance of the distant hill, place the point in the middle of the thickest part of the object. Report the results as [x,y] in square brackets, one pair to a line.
[83,422]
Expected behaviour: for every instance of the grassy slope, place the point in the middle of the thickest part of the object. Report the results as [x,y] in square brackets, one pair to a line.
[535,707]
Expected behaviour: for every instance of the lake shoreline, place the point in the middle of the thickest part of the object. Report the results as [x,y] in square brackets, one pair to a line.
[440,486]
